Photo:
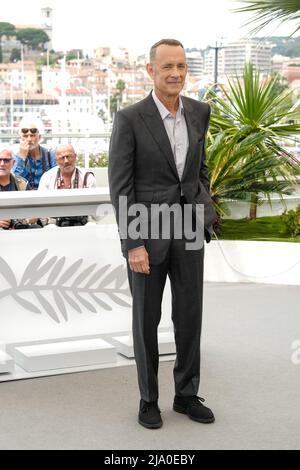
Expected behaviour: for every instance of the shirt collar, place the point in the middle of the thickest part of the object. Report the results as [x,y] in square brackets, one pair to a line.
[5,187]
[163,111]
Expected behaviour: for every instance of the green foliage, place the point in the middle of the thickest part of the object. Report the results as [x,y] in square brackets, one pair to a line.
[263,228]
[254,102]
[33,37]
[7,29]
[267,11]
[281,85]
[53,58]
[245,156]
[240,169]
[73,54]
[15,55]
[95,160]
[121,85]
[116,98]
[291,219]
[114,103]
[285,46]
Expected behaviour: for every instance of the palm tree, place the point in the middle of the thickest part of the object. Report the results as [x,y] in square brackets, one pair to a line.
[251,121]
[267,11]
[242,169]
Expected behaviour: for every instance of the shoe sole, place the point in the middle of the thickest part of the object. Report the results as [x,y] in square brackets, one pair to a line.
[181,410]
[150,426]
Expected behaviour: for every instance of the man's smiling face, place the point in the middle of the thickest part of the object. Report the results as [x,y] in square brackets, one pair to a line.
[168,70]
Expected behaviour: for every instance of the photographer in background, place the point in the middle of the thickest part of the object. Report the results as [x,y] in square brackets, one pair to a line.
[67,176]
[10,182]
[32,160]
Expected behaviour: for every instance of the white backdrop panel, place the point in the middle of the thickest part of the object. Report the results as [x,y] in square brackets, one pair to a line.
[64,282]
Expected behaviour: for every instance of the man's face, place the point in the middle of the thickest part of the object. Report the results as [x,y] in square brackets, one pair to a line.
[168,70]
[31,136]
[66,159]
[6,163]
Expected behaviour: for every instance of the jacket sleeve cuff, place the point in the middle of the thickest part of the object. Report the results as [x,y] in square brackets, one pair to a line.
[131,244]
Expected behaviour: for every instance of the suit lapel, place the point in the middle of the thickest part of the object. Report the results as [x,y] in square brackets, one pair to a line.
[156,127]
[192,124]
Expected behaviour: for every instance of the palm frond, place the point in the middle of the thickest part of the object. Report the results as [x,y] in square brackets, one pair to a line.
[245,153]
[267,11]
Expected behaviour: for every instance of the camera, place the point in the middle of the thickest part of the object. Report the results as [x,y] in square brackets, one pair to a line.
[17,224]
[72,221]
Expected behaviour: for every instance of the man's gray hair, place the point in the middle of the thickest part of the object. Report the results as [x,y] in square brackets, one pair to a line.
[167,42]
[62,146]
[6,148]
[31,120]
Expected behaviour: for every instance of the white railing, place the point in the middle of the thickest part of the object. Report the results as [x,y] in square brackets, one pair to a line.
[60,284]
[26,204]
[86,144]
[86,135]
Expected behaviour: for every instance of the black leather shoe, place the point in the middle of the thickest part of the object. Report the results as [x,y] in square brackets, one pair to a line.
[193,407]
[149,415]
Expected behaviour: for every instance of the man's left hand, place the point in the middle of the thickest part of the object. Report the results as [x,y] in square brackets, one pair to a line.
[138,260]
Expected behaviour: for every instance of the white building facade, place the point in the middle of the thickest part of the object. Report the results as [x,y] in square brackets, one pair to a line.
[233,57]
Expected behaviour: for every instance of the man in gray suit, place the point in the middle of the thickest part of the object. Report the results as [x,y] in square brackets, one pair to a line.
[157,157]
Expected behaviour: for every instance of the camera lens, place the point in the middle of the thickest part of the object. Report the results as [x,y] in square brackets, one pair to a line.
[18,225]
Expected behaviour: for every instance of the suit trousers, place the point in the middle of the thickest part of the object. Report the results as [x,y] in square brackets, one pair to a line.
[185,271]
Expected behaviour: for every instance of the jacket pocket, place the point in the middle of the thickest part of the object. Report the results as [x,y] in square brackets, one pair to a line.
[203,195]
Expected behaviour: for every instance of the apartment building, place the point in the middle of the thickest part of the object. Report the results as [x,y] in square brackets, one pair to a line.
[11,76]
[195,63]
[13,108]
[233,56]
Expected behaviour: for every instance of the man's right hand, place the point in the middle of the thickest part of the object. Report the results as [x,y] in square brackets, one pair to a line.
[24,149]
[4,224]
[138,260]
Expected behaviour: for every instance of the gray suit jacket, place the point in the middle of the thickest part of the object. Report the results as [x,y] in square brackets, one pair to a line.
[142,166]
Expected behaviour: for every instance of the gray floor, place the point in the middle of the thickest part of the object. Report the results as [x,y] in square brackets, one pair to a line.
[248,378]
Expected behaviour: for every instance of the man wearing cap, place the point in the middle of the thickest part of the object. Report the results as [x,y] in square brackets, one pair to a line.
[32,160]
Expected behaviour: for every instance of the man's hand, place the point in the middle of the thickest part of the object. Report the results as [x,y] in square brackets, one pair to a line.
[30,221]
[4,223]
[138,260]
[24,148]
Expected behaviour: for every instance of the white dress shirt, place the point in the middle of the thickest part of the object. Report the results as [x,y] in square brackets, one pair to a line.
[177,132]
[49,179]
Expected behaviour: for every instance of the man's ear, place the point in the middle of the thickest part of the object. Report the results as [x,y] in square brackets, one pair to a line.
[149,68]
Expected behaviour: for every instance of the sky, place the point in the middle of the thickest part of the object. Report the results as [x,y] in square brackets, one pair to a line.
[135,24]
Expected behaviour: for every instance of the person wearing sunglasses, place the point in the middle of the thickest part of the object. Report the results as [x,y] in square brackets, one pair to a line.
[32,159]
[10,182]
